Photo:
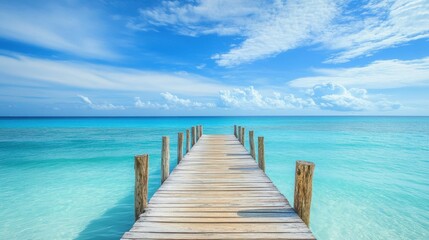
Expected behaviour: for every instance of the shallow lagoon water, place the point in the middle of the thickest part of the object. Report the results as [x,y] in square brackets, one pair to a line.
[72,178]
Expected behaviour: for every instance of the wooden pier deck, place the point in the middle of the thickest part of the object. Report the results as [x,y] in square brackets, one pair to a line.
[218,192]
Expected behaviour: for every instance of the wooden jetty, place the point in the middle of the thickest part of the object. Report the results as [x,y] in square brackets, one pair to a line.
[219,191]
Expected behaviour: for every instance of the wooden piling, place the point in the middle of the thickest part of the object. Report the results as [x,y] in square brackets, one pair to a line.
[193,136]
[252,145]
[197,133]
[201,130]
[165,159]
[303,189]
[261,154]
[179,147]
[141,169]
[243,135]
[235,130]
[239,134]
[187,141]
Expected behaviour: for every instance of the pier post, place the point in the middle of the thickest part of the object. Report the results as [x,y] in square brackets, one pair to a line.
[141,169]
[239,134]
[235,130]
[179,147]
[243,135]
[165,159]
[252,145]
[303,189]
[187,141]
[197,133]
[201,130]
[193,136]
[261,157]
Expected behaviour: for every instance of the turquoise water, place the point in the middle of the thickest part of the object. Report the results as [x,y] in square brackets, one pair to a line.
[72,178]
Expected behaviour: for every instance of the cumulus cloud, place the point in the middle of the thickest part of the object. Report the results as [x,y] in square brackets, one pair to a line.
[148,104]
[324,96]
[250,98]
[377,75]
[107,106]
[172,101]
[269,27]
[336,97]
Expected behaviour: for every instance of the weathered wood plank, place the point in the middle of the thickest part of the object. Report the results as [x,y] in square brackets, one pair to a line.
[218,191]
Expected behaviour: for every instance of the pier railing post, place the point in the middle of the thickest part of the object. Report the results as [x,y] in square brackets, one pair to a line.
[193,136]
[165,159]
[187,141]
[252,145]
[261,154]
[239,134]
[197,133]
[235,130]
[201,130]
[141,169]
[243,135]
[303,189]
[179,147]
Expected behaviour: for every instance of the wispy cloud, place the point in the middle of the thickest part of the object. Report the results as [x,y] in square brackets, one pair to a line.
[182,102]
[149,104]
[272,27]
[105,106]
[377,75]
[27,71]
[68,28]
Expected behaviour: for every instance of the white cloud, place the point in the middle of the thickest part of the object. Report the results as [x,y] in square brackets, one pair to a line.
[268,27]
[148,104]
[337,97]
[106,106]
[381,24]
[71,29]
[377,75]
[172,102]
[324,96]
[28,71]
[250,98]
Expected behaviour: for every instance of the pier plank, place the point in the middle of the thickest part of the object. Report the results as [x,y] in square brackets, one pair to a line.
[218,191]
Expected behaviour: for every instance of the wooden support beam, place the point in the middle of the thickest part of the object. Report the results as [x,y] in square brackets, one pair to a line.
[188,141]
[243,135]
[235,130]
[141,169]
[179,147]
[303,189]
[165,158]
[261,154]
[252,145]
[239,134]
[197,133]
[201,130]
[193,136]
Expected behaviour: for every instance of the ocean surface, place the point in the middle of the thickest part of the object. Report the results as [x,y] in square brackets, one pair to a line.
[73,178]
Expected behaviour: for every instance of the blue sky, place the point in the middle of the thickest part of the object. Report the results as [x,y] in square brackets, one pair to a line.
[214,57]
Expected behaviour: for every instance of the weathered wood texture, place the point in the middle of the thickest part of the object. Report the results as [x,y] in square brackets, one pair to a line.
[197,133]
[193,136]
[201,130]
[188,147]
[218,192]
[261,153]
[179,147]
[165,159]
[239,134]
[141,168]
[252,145]
[243,135]
[235,130]
[303,189]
